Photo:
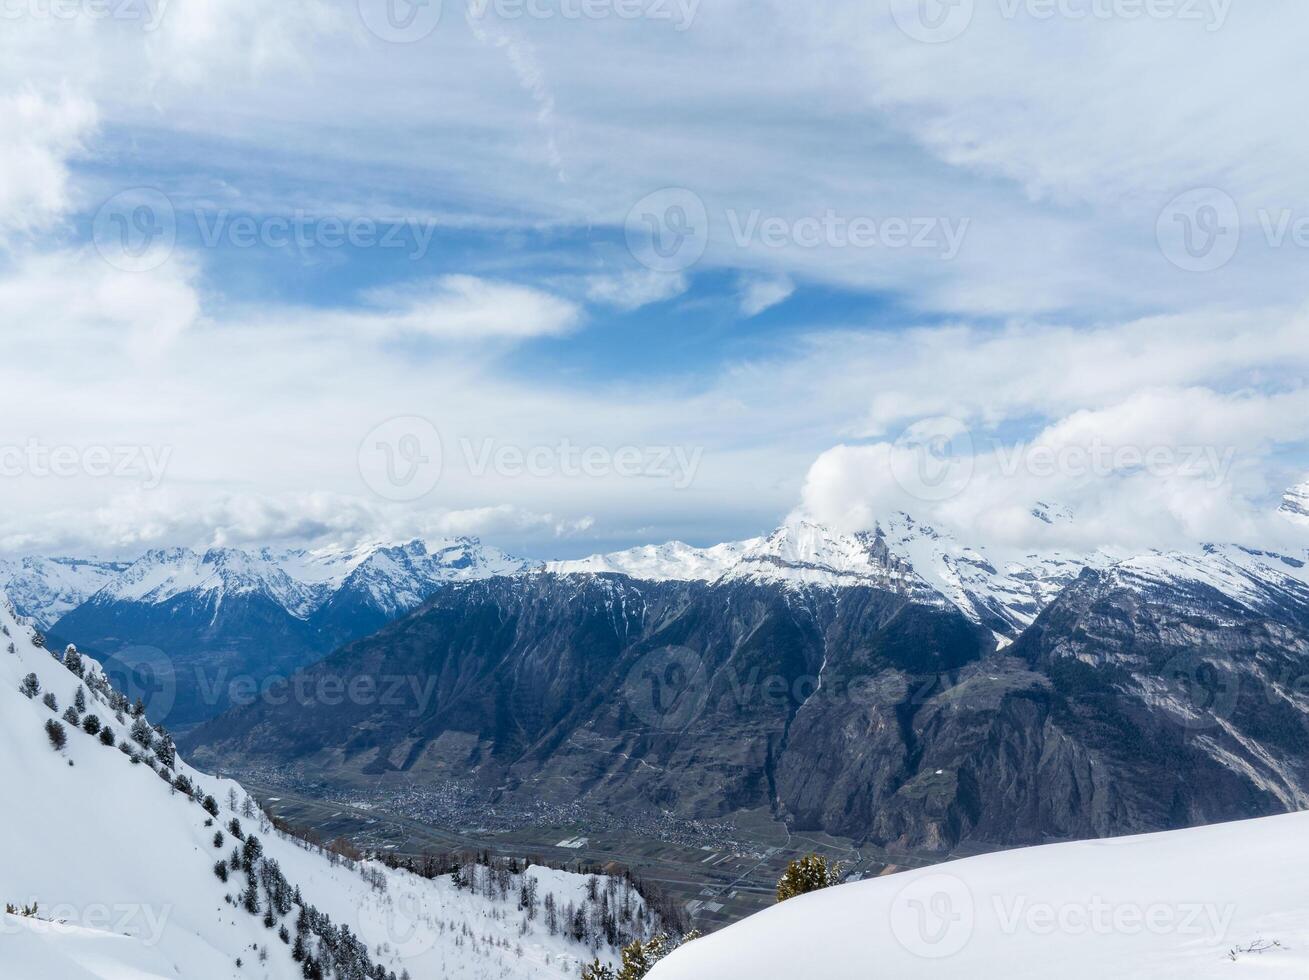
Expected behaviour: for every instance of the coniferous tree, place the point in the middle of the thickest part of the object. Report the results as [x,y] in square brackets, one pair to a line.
[107,737]
[73,661]
[218,839]
[49,701]
[165,749]
[250,899]
[91,725]
[251,853]
[72,717]
[58,736]
[31,686]
[141,733]
[210,806]
[220,869]
[807,874]
[79,699]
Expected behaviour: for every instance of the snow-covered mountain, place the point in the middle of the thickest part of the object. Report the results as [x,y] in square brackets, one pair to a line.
[46,588]
[121,865]
[673,561]
[1219,901]
[1295,504]
[900,554]
[394,578]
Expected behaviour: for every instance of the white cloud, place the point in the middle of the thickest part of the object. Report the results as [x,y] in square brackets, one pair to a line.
[633,288]
[758,295]
[463,308]
[39,133]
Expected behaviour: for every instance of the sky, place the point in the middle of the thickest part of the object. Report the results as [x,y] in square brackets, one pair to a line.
[574,275]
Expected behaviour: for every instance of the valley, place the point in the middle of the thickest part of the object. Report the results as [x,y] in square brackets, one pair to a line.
[716,875]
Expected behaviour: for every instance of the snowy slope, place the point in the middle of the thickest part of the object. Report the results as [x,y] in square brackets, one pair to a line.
[111,850]
[46,588]
[1189,905]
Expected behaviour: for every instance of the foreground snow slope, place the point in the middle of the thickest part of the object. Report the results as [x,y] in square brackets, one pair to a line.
[1188,904]
[123,864]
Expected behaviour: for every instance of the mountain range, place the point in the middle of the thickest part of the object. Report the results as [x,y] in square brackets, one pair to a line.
[181,627]
[892,685]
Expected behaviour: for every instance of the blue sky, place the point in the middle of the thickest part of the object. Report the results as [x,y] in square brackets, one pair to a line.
[1063,234]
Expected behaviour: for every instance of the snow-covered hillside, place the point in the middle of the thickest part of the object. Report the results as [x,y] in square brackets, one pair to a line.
[125,864]
[1223,901]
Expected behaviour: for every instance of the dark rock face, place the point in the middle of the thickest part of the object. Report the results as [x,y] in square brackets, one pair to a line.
[1128,706]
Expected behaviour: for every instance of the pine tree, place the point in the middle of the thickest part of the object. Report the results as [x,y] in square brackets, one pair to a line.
[165,749]
[31,686]
[49,701]
[251,853]
[141,733]
[72,717]
[250,900]
[107,737]
[220,869]
[58,736]
[91,725]
[73,661]
[210,806]
[218,839]
[807,874]
[598,971]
